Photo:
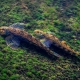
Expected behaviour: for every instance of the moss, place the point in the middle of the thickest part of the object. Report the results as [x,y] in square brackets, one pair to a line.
[78,41]
[47,15]
[29,74]
[14,77]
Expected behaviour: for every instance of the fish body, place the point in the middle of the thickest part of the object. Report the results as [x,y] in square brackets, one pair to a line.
[25,35]
[60,44]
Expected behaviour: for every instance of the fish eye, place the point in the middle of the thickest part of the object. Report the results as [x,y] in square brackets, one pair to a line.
[37,31]
[2,29]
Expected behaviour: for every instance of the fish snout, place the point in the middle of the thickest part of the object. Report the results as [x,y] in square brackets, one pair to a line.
[38,32]
[2,30]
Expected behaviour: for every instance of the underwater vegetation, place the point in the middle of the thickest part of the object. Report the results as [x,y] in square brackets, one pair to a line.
[61,18]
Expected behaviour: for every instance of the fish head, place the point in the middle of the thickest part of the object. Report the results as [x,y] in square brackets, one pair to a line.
[3,30]
[38,32]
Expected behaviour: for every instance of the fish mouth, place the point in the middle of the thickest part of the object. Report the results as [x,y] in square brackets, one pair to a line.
[3,30]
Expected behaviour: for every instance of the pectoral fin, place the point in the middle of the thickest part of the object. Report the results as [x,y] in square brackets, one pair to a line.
[12,41]
[47,43]
[56,54]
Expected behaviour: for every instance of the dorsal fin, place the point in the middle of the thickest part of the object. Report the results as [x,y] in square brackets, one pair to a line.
[12,41]
[18,25]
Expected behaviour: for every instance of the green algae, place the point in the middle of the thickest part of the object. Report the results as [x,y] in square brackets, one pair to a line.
[47,15]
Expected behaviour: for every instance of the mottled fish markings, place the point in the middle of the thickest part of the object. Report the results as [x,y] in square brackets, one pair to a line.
[13,41]
[61,44]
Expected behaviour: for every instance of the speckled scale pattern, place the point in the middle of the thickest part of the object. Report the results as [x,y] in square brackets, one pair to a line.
[58,43]
[27,36]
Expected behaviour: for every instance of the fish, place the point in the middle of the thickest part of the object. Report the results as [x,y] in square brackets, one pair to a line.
[52,39]
[16,32]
